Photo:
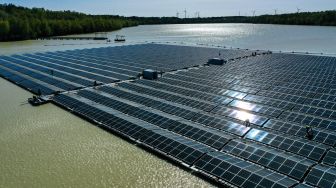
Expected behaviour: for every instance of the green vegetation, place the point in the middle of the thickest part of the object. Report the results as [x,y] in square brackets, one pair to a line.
[19,23]
[326,18]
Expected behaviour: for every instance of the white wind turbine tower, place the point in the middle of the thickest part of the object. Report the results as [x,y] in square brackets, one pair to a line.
[275,11]
[177,14]
[254,13]
[298,10]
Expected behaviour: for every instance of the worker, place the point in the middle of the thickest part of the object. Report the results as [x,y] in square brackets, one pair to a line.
[309,132]
[95,83]
[247,123]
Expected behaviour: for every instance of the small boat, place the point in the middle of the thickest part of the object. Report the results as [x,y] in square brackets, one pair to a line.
[120,38]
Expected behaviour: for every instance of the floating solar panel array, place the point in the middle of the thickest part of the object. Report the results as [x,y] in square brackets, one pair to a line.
[242,124]
[75,69]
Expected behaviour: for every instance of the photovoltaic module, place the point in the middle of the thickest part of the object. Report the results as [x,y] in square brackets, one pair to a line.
[259,120]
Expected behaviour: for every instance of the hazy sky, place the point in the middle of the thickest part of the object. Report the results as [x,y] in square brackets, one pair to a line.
[170,7]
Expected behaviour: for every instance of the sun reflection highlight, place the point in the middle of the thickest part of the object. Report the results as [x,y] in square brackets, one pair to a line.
[244,116]
[257,135]
[243,105]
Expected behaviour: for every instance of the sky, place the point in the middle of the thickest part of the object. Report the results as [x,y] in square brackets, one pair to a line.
[160,8]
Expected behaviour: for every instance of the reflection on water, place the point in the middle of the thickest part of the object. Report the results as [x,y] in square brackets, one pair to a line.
[252,36]
[49,147]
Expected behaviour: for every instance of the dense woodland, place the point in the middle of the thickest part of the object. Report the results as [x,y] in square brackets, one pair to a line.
[325,18]
[19,23]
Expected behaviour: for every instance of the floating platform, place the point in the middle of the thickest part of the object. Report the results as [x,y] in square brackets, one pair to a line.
[38,100]
[196,115]
[74,38]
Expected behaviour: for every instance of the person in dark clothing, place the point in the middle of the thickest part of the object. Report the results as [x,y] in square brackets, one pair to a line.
[309,132]
[247,123]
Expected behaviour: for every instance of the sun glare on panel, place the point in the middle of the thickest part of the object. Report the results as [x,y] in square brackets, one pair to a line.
[244,105]
[244,116]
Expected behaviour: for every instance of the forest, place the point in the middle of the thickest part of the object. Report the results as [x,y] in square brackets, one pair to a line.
[324,18]
[20,23]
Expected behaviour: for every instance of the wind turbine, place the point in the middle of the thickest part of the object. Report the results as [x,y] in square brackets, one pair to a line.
[177,14]
[298,10]
[185,13]
[275,11]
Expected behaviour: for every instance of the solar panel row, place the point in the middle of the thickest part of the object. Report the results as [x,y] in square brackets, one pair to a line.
[243,123]
[189,151]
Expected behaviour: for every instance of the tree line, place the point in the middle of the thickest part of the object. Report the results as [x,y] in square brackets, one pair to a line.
[20,23]
[323,18]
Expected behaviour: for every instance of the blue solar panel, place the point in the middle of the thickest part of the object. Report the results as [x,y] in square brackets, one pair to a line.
[267,120]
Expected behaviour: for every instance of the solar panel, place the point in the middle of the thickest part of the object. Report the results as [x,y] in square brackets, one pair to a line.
[191,131]
[245,123]
[298,146]
[316,121]
[265,110]
[320,135]
[240,172]
[184,100]
[330,157]
[283,162]
[303,186]
[240,115]
[322,176]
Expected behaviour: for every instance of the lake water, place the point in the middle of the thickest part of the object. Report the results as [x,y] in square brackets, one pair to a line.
[252,36]
[49,147]
[315,39]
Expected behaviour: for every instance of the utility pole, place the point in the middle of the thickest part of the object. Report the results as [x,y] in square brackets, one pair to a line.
[185,13]
[253,13]
[177,14]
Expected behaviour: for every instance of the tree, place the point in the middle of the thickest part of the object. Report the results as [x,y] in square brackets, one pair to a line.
[19,23]
[4,28]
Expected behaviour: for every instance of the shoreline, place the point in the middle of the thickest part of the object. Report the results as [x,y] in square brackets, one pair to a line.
[200,23]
